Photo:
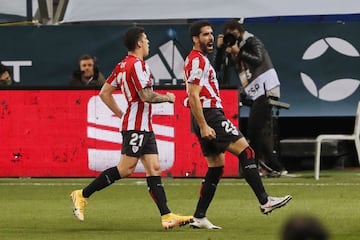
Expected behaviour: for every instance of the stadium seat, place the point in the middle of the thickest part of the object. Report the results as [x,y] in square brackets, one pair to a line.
[354,137]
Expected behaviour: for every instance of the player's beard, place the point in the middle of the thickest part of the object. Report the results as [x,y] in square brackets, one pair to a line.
[205,48]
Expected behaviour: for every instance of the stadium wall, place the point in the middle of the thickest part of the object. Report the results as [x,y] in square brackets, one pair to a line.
[71,133]
[317,62]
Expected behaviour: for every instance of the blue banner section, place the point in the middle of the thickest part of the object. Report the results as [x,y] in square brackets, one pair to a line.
[317,63]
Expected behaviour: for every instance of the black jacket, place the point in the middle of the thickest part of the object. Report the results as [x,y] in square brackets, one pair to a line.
[255,57]
[97,80]
[253,54]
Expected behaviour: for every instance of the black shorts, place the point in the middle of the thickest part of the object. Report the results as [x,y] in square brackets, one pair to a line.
[138,143]
[226,132]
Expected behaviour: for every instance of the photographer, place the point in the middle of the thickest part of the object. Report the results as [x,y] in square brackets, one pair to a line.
[240,50]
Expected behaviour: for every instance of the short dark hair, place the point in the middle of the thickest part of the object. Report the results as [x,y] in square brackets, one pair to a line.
[232,25]
[195,27]
[132,36]
[301,227]
[77,73]
[87,57]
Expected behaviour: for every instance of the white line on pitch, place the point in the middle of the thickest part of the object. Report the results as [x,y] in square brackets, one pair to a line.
[175,184]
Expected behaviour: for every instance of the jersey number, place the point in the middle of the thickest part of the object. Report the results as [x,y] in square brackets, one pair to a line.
[229,127]
[136,139]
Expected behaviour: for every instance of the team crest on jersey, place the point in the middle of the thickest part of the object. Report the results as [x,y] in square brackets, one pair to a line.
[135,149]
[198,73]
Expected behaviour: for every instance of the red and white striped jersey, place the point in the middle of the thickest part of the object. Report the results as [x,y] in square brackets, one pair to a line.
[132,75]
[198,70]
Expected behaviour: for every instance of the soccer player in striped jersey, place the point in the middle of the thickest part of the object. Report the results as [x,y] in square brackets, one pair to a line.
[134,78]
[215,132]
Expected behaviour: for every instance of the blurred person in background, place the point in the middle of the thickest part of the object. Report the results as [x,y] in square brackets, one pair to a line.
[5,76]
[240,50]
[87,73]
[304,227]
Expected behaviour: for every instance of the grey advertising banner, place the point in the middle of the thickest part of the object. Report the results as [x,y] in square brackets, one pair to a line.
[318,63]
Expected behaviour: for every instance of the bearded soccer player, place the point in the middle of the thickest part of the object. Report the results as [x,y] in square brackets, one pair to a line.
[133,76]
[214,131]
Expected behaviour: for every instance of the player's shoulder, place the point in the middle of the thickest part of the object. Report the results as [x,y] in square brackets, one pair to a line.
[129,62]
[196,56]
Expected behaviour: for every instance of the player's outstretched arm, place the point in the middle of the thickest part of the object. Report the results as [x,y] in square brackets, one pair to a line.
[148,95]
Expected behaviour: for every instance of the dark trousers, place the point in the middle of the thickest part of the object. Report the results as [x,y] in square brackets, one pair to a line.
[260,133]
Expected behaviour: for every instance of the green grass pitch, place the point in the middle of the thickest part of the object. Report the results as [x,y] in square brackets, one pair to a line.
[41,208]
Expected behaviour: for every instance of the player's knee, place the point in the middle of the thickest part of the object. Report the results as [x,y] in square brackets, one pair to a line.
[153,169]
[247,154]
[216,160]
[247,158]
[238,146]
[125,172]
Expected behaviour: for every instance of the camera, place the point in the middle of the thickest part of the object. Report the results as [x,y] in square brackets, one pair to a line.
[229,39]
